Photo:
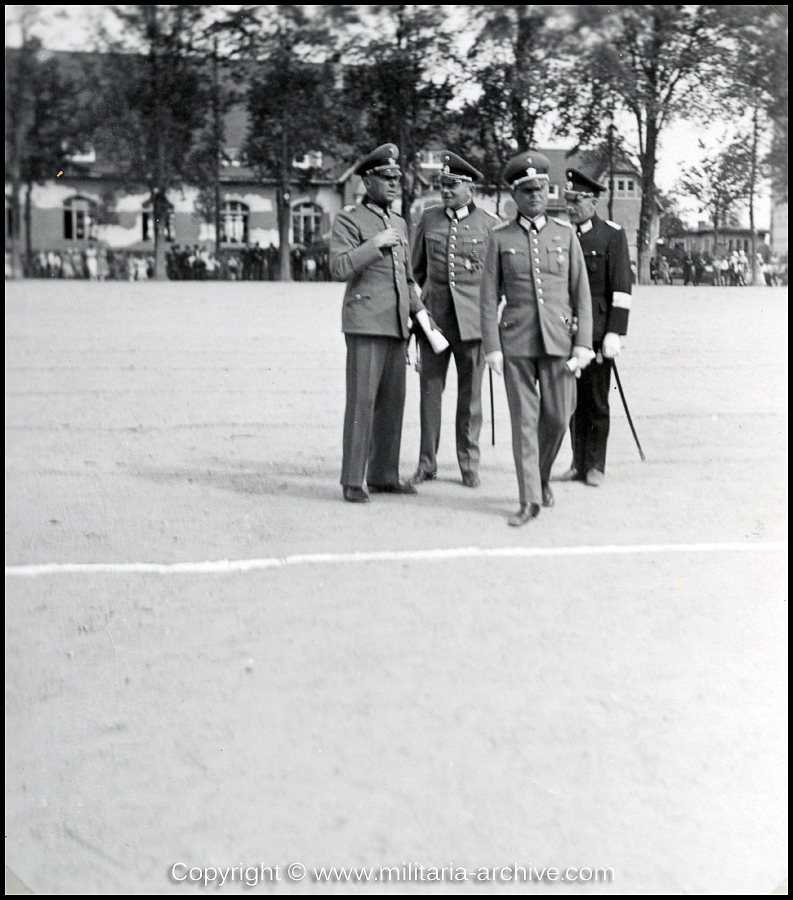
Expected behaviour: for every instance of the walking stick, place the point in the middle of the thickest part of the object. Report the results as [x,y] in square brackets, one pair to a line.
[492,411]
[627,411]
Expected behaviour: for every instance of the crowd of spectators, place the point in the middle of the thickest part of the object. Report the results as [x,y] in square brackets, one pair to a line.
[255,263]
[728,270]
[251,262]
[94,263]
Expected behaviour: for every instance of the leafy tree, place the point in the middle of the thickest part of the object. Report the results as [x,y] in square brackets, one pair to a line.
[481,129]
[756,88]
[670,225]
[588,112]
[523,60]
[154,93]
[290,79]
[397,87]
[660,63]
[44,123]
[209,152]
[720,183]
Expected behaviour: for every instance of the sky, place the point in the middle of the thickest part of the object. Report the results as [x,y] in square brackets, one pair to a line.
[69,28]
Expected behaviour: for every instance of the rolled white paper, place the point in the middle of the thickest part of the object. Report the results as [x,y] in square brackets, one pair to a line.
[437,341]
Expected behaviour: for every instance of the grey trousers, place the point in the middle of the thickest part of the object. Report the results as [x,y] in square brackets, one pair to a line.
[469,361]
[541,395]
[374,409]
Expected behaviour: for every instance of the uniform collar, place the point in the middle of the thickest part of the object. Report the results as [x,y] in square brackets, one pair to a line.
[460,213]
[585,226]
[536,224]
[375,207]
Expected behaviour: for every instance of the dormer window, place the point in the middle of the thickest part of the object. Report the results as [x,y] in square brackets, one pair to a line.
[311,160]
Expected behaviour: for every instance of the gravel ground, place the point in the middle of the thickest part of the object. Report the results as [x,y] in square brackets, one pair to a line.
[560,708]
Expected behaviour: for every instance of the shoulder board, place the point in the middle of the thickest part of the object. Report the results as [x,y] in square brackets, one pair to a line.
[351,208]
[434,206]
[561,222]
[613,224]
[502,226]
[488,213]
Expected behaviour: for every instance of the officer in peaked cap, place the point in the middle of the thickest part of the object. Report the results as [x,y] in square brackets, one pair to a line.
[369,250]
[608,266]
[448,259]
[382,161]
[535,262]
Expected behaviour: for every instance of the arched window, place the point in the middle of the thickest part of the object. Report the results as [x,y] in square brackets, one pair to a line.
[234,222]
[166,223]
[79,221]
[306,223]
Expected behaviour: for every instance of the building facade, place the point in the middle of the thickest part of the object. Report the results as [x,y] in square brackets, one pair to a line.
[703,241]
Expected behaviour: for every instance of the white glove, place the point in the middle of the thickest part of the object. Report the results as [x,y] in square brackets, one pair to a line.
[495,359]
[583,356]
[611,345]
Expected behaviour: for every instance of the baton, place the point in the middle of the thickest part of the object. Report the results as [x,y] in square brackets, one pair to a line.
[492,411]
[627,411]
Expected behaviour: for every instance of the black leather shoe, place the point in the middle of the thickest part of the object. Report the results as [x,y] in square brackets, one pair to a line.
[572,474]
[547,496]
[526,513]
[594,477]
[401,487]
[422,475]
[471,479]
[355,495]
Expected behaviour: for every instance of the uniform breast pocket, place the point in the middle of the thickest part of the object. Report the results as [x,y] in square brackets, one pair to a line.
[436,247]
[473,254]
[514,261]
[558,261]
[595,261]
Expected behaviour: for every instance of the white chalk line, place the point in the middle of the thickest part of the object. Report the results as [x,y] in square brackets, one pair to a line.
[230,566]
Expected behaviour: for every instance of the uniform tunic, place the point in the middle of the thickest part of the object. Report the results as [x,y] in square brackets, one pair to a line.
[539,270]
[608,267]
[378,302]
[448,259]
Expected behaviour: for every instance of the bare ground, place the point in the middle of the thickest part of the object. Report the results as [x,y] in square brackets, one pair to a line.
[622,710]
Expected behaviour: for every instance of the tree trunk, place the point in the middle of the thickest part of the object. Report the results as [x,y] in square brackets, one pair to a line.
[611,167]
[16,187]
[284,209]
[28,266]
[157,209]
[752,182]
[648,203]
[157,191]
[217,134]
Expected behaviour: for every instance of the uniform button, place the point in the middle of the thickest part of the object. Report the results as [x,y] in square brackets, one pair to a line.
[452,284]
[541,300]
[539,281]
[537,270]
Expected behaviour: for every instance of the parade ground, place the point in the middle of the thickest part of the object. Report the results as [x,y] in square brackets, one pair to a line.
[214,664]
